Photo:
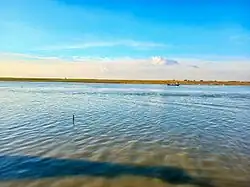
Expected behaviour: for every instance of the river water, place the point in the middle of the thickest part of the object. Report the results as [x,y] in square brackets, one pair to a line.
[123,135]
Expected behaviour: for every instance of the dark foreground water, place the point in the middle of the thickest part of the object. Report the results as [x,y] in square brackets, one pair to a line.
[124,135]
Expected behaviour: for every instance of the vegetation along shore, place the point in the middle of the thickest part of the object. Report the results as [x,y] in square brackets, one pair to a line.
[120,81]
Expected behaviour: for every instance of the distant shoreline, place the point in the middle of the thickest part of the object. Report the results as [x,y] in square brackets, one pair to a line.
[119,81]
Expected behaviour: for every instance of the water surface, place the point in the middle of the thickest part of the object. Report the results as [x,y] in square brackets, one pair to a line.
[202,129]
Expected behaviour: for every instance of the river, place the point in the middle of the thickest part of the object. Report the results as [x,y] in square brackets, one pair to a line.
[123,135]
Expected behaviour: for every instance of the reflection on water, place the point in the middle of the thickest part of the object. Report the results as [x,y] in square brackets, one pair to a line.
[144,134]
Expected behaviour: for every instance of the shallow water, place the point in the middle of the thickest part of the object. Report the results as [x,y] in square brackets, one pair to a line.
[204,130]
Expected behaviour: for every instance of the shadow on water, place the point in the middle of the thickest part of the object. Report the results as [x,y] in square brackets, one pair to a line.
[31,167]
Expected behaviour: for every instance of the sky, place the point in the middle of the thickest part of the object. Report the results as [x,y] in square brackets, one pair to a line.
[125,39]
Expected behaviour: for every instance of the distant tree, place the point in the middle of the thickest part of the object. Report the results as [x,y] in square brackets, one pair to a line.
[201,80]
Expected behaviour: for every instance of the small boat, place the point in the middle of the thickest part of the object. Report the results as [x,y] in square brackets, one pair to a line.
[176,84]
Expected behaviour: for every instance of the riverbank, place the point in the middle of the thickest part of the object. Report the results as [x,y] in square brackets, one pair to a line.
[120,81]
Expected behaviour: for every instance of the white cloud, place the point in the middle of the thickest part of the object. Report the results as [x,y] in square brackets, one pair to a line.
[21,65]
[157,60]
[96,44]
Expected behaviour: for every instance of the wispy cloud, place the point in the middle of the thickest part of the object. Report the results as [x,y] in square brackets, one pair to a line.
[97,44]
[240,38]
[27,56]
[194,66]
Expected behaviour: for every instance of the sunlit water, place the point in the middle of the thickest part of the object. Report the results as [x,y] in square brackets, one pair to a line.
[202,129]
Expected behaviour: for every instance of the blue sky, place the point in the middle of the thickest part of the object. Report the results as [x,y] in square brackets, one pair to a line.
[169,29]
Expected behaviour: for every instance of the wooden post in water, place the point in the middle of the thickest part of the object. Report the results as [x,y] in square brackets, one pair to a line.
[74,133]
